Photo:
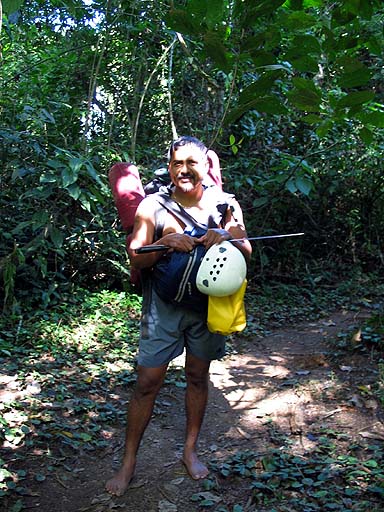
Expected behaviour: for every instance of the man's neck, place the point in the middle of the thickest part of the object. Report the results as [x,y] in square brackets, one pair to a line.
[190,198]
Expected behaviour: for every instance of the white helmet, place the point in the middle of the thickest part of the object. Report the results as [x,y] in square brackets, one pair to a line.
[222,270]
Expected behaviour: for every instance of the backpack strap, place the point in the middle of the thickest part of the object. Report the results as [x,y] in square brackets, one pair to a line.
[178,211]
[160,215]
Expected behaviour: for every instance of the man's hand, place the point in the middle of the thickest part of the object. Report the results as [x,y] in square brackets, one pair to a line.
[214,236]
[179,242]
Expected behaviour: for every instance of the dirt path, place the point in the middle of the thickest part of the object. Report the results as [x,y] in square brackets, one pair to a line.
[285,384]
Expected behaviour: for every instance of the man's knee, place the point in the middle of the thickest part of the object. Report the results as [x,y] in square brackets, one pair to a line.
[149,380]
[197,372]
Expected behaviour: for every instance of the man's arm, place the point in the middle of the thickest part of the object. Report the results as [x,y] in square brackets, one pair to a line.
[234,223]
[233,228]
[143,234]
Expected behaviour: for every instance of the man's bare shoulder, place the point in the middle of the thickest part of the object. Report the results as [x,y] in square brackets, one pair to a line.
[147,207]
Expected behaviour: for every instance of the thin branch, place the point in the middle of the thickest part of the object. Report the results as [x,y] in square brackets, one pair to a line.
[191,61]
[226,107]
[169,89]
[94,75]
[136,126]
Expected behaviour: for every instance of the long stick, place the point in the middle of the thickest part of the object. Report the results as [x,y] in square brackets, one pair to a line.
[154,248]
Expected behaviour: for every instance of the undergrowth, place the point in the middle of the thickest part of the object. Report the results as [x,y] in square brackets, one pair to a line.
[63,368]
[329,478]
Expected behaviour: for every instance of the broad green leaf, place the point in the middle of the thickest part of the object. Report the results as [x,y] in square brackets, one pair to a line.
[324,128]
[355,78]
[74,191]
[182,21]
[353,72]
[55,164]
[75,164]
[47,177]
[84,200]
[355,98]
[262,7]
[341,17]
[298,5]
[305,99]
[216,50]
[68,176]
[261,201]
[311,119]
[346,42]
[46,116]
[304,83]
[297,20]
[304,185]
[306,44]
[11,6]
[291,186]
[197,7]
[56,236]
[271,105]
[259,87]
[93,173]
[306,64]
[375,118]
[267,39]
[375,45]
[262,58]
[266,104]
[214,12]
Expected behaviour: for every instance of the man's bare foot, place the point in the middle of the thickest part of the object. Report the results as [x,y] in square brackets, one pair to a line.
[196,469]
[119,483]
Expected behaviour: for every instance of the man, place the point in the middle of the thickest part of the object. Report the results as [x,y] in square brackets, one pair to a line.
[161,337]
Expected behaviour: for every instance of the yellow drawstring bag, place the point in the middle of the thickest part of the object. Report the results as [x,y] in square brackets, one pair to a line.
[226,315]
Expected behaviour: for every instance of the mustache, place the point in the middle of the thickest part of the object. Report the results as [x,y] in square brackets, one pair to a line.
[185,175]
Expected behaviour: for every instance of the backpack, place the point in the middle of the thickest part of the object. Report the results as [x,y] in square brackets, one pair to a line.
[174,275]
[128,192]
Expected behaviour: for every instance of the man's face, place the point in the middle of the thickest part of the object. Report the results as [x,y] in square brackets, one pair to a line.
[187,167]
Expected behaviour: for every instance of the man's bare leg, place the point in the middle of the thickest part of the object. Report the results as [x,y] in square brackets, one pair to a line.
[149,382]
[197,375]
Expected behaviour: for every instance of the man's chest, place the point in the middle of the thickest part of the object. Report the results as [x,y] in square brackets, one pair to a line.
[174,225]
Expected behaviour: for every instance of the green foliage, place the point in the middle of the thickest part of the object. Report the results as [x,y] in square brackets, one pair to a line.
[70,355]
[294,86]
[325,479]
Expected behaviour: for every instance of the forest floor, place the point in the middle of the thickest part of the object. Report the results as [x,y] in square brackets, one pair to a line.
[291,425]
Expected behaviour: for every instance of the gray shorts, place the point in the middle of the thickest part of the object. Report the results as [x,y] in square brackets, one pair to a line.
[166,330]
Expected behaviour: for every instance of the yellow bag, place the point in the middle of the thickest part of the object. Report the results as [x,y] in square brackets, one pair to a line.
[227,314]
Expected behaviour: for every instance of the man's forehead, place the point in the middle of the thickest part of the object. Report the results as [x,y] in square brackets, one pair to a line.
[189,151]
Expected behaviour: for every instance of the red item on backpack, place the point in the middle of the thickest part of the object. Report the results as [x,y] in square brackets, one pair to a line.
[128,192]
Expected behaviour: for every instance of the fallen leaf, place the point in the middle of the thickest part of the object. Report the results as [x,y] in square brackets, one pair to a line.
[346,368]
[166,506]
[356,401]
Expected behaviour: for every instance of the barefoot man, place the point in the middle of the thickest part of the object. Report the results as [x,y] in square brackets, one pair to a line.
[166,329]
